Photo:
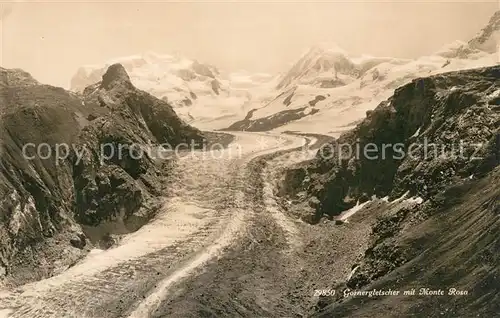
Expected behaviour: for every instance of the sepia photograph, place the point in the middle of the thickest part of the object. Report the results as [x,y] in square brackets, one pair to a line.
[249,158]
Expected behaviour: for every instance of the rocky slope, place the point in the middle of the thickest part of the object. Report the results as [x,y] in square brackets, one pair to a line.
[450,114]
[351,85]
[434,167]
[54,210]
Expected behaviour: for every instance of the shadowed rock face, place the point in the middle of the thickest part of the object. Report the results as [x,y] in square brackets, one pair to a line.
[46,202]
[136,118]
[448,245]
[449,110]
[116,76]
[448,240]
[273,121]
[249,123]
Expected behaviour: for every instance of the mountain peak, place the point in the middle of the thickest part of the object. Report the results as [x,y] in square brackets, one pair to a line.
[115,75]
[488,38]
[325,48]
[321,59]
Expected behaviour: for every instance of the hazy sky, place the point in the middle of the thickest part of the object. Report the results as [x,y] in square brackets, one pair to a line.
[52,39]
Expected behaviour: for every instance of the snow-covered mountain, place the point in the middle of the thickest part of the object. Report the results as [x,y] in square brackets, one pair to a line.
[170,77]
[488,39]
[199,93]
[328,90]
[327,66]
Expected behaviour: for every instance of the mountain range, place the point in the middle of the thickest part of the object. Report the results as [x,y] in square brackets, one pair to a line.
[326,82]
[199,92]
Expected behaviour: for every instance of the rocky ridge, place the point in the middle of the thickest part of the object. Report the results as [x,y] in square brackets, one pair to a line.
[415,196]
[453,112]
[54,211]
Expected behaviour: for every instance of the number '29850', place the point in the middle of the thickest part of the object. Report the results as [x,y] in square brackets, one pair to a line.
[324,292]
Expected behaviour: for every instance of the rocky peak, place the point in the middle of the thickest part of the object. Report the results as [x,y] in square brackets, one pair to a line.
[203,69]
[116,75]
[319,59]
[49,203]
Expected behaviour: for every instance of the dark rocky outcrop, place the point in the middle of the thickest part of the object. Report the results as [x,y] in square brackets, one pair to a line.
[204,69]
[448,246]
[271,122]
[216,87]
[287,101]
[49,207]
[316,100]
[331,83]
[120,186]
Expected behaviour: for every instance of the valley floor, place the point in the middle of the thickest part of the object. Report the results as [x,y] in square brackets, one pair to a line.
[212,206]
[224,245]
[278,267]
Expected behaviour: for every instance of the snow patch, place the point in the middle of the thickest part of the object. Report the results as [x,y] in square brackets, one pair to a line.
[6,312]
[401,197]
[417,133]
[352,272]
[495,94]
[416,200]
[347,214]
